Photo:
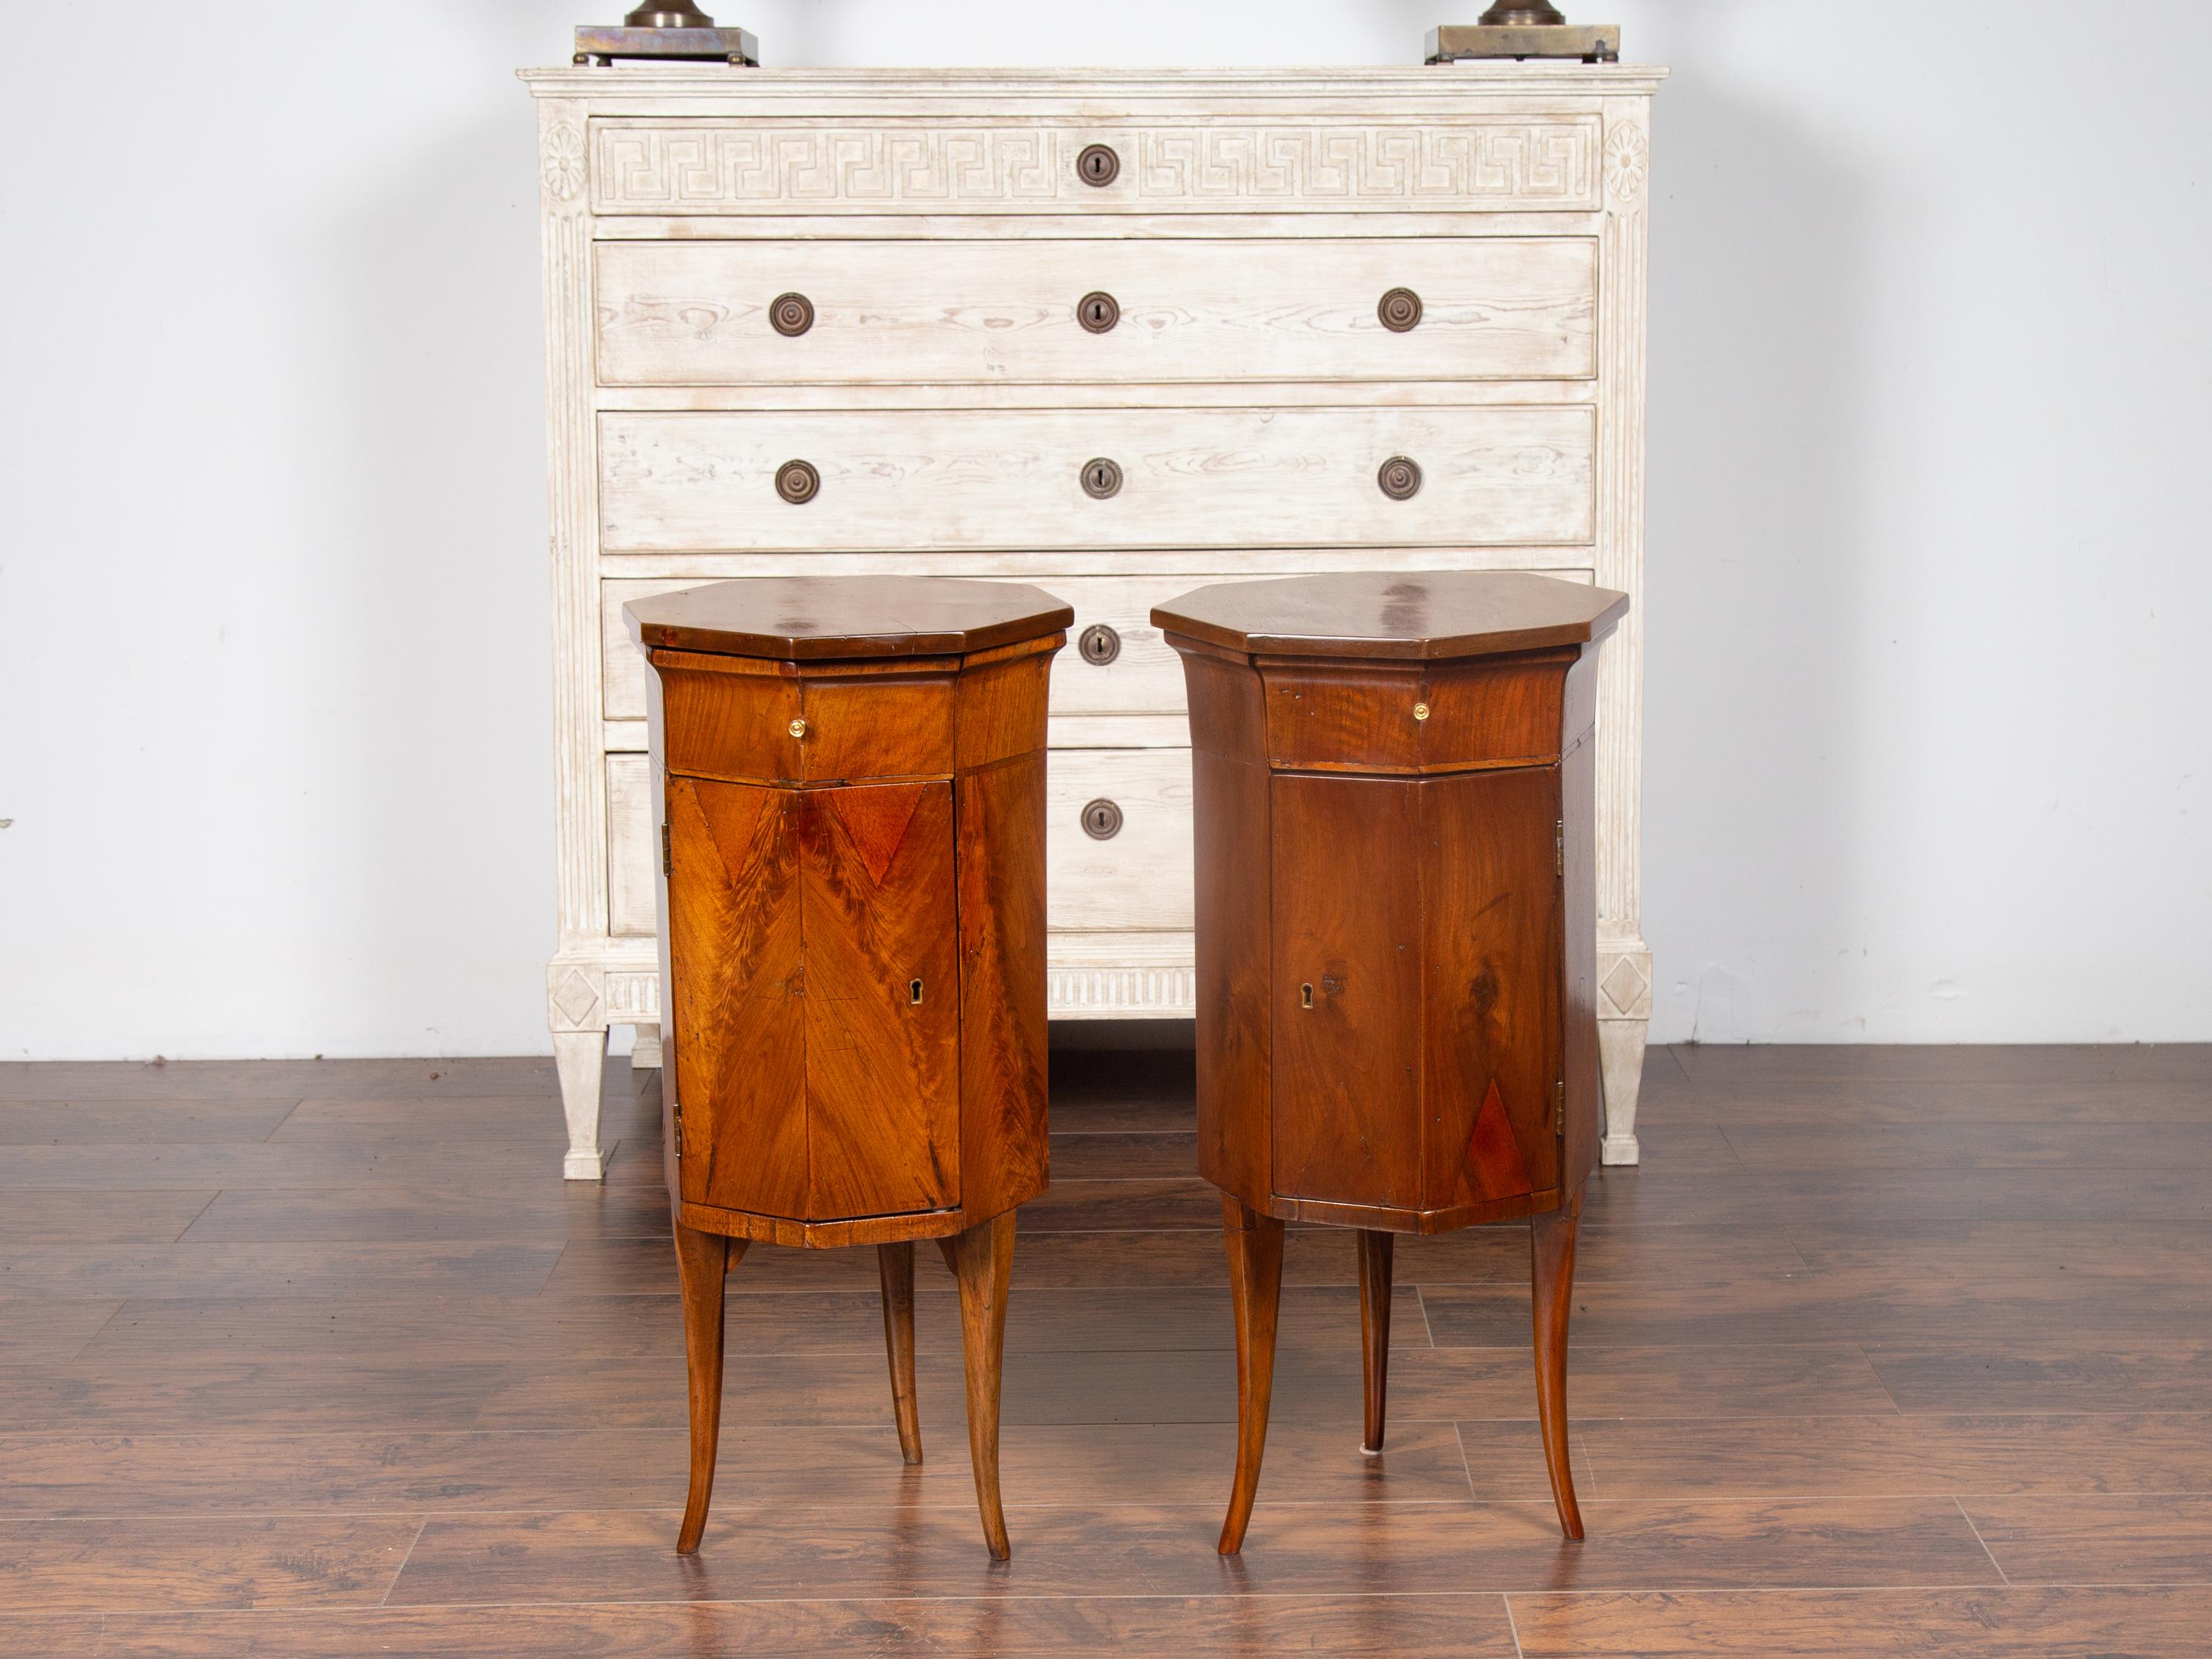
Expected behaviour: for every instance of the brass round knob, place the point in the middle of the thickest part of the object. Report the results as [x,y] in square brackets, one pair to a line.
[1101,820]
[1399,478]
[1420,711]
[1400,309]
[797,728]
[791,314]
[798,482]
[1097,312]
[1098,644]
[1101,478]
[1097,165]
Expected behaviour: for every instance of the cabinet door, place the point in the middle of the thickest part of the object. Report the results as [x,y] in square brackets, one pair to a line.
[883,1000]
[1490,874]
[1347,990]
[733,928]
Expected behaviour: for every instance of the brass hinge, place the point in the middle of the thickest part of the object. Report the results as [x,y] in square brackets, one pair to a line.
[678,1127]
[667,858]
[1559,1110]
[1559,848]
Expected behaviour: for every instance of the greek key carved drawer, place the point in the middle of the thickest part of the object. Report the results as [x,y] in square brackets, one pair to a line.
[1468,164]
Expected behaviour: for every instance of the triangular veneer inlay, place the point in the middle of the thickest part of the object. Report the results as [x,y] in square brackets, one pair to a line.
[875,820]
[1495,1168]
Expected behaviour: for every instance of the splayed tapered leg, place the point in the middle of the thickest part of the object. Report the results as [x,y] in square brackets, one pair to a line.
[1375,1254]
[1551,1251]
[702,1260]
[895,1265]
[983,1259]
[1255,1295]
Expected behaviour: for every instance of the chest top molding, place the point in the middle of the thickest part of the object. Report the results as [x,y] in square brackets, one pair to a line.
[1106,90]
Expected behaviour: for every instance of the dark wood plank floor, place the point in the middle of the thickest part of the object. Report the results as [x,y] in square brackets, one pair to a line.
[1882,1351]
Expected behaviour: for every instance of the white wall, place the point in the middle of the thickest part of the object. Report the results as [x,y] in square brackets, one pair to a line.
[1931,397]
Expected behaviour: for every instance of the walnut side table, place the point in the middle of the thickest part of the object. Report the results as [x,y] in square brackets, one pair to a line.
[850,780]
[1394,785]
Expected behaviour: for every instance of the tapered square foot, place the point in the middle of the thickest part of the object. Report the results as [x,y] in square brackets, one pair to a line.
[1618,1149]
[583,1165]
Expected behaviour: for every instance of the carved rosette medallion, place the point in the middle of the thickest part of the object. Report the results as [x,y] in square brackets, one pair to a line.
[562,164]
[1627,164]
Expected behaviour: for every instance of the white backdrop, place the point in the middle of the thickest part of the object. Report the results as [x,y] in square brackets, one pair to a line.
[1931,417]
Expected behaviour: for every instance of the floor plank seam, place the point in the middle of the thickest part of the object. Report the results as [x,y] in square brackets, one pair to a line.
[1994,1564]
[1467,1468]
[421,1527]
[196,1214]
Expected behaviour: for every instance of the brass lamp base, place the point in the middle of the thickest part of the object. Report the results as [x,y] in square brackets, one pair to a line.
[1524,31]
[679,33]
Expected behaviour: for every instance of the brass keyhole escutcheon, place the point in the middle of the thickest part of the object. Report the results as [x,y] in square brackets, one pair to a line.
[1098,645]
[1097,312]
[791,314]
[1306,996]
[798,482]
[913,994]
[1101,820]
[1399,478]
[1420,711]
[1101,478]
[1097,165]
[797,728]
[1400,309]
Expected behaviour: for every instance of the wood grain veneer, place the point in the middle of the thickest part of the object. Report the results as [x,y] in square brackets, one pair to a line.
[1395,836]
[855,883]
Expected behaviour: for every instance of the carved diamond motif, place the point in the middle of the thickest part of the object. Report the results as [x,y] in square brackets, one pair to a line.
[575,998]
[1626,985]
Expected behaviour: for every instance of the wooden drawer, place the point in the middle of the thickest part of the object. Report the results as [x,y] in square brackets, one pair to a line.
[742,720]
[971,479]
[1139,881]
[633,848]
[1496,160]
[697,313]
[1483,712]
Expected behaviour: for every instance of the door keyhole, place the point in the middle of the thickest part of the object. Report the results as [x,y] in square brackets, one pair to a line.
[913,994]
[1306,996]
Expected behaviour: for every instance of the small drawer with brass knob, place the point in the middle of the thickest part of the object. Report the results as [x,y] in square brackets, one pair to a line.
[821,724]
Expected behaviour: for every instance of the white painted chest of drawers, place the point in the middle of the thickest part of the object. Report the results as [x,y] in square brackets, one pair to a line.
[945,231]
